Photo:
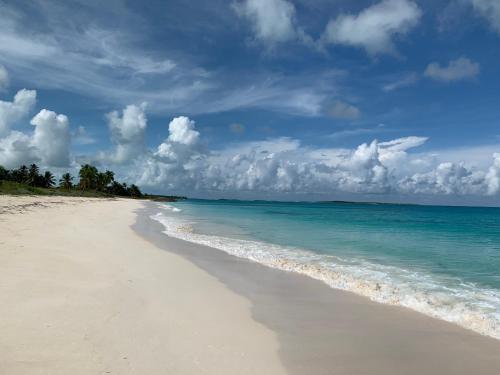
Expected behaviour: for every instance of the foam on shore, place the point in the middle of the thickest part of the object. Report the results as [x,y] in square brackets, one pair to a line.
[467,305]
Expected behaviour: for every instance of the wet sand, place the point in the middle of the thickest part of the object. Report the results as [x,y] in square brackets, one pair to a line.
[327,331]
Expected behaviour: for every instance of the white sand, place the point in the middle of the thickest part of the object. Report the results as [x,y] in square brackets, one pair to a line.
[81,293]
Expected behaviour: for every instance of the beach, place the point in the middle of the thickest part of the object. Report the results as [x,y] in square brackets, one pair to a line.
[94,286]
[81,293]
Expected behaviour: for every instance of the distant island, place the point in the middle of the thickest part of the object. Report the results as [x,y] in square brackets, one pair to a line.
[91,183]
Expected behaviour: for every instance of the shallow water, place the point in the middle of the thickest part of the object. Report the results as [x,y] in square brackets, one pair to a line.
[442,261]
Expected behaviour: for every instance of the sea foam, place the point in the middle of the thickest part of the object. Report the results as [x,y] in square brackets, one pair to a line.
[467,305]
[169,208]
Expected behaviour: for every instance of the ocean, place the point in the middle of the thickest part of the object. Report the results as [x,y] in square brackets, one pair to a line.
[441,261]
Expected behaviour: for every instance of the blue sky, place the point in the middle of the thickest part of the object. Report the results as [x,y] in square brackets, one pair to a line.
[292,89]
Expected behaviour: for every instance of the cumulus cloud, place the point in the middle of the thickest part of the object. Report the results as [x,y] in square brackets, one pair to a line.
[178,161]
[127,133]
[375,27]
[4,78]
[49,144]
[284,166]
[51,138]
[489,9]
[182,131]
[342,110]
[456,70]
[10,112]
[272,20]
[493,176]
[17,149]
[446,179]
[275,166]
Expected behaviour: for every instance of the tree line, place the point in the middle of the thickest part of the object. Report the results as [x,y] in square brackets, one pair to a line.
[89,178]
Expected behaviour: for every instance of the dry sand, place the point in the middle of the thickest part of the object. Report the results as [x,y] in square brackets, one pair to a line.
[81,293]
[87,288]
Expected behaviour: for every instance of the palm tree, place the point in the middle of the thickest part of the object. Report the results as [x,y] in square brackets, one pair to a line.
[21,174]
[118,189]
[66,181]
[49,179]
[88,177]
[134,191]
[33,175]
[104,179]
[4,173]
[110,176]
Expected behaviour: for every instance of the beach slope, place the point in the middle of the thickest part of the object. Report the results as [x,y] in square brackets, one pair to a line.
[81,293]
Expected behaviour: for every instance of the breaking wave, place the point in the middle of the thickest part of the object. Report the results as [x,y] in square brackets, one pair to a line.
[461,303]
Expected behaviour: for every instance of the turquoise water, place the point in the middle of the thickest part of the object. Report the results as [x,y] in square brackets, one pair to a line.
[442,261]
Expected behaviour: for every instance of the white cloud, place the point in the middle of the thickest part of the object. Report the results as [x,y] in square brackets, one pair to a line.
[282,95]
[127,133]
[17,149]
[49,144]
[81,136]
[76,55]
[182,131]
[375,27]
[285,166]
[4,78]
[52,138]
[10,112]
[77,52]
[343,110]
[393,154]
[493,176]
[445,179]
[489,9]
[107,50]
[346,133]
[405,81]
[457,70]
[178,160]
[272,20]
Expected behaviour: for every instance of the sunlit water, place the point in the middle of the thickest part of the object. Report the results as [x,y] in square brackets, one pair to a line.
[441,261]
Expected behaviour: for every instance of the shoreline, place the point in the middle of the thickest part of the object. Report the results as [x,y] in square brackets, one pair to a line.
[469,306]
[93,286]
[309,317]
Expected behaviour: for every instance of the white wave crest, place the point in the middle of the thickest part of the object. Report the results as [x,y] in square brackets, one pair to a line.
[467,305]
[168,207]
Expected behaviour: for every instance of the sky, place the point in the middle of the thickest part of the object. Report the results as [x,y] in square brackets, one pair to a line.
[380,100]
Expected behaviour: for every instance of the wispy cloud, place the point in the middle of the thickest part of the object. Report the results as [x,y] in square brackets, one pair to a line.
[342,110]
[490,10]
[104,64]
[82,137]
[346,133]
[406,80]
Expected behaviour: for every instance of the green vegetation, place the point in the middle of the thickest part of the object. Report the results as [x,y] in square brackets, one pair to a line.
[92,183]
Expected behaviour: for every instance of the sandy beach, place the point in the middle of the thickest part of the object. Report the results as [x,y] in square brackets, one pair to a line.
[81,293]
[92,286]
